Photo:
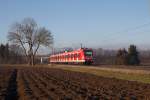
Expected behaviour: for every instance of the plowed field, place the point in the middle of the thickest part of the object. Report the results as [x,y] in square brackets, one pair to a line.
[30,83]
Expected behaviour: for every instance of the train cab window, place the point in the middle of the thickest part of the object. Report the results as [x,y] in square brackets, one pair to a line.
[88,53]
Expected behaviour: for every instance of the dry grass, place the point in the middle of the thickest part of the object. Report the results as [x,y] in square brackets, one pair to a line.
[125,74]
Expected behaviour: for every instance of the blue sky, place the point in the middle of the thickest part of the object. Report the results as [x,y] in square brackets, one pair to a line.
[94,23]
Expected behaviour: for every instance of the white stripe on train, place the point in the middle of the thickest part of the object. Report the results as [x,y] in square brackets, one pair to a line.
[69,61]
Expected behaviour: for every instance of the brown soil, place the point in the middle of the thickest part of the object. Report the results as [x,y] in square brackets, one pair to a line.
[29,83]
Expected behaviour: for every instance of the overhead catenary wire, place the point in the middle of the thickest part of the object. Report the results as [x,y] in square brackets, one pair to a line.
[116,34]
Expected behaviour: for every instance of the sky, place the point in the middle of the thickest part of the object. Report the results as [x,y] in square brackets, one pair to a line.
[94,23]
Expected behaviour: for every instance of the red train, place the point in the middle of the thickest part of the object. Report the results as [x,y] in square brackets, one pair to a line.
[80,56]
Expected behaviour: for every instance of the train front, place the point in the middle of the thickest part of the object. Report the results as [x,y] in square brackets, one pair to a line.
[88,56]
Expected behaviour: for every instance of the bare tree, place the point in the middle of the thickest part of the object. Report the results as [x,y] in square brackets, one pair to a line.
[30,37]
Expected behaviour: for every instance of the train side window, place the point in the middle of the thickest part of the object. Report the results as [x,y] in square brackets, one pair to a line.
[78,55]
[75,55]
[66,56]
[71,55]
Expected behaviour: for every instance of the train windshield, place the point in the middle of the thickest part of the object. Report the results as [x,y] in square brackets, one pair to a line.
[88,53]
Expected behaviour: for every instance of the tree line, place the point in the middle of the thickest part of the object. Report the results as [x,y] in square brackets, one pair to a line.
[118,57]
[130,57]
[10,54]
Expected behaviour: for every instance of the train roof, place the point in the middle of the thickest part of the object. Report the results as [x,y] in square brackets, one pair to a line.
[70,52]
